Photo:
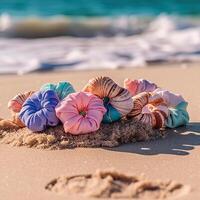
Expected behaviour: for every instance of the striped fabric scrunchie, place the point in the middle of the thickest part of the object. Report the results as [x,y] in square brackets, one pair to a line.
[15,106]
[178,115]
[149,113]
[117,100]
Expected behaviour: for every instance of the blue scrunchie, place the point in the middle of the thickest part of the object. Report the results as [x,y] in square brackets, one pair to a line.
[178,116]
[38,111]
[112,114]
[62,89]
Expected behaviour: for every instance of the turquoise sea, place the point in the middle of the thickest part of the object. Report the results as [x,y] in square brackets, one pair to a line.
[21,8]
[86,18]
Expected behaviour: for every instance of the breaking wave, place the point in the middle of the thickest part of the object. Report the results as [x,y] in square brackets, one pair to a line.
[91,43]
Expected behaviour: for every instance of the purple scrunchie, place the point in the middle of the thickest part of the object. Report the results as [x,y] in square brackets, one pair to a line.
[38,111]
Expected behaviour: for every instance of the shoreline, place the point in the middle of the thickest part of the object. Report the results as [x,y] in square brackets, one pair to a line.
[25,172]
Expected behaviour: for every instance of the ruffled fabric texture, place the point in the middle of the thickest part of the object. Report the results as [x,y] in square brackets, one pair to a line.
[138,86]
[159,99]
[38,111]
[117,100]
[178,115]
[80,113]
[147,112]
[62,89]
[15,106]
[101,100]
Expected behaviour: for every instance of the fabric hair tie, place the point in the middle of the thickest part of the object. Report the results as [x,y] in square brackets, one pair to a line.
[117,100]
[62,89]
[80,113]
[38,112]
[15,106]
[148,113]
[137,86]
[178,115]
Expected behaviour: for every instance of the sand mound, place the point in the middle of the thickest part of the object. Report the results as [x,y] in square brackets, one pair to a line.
[111,184]
[109,135]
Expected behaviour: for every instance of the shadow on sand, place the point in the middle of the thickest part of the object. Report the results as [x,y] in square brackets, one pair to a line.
[177,142]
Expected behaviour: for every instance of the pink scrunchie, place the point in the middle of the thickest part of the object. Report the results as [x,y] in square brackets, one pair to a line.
[80,113]
[138,86]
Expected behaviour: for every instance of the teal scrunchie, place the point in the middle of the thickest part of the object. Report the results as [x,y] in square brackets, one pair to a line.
[178,116]
[62,89]
[112,114]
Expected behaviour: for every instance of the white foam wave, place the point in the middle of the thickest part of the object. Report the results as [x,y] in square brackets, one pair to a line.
[163,41]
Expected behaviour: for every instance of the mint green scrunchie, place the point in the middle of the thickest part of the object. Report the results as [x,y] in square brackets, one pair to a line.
[62,89]
[178,116]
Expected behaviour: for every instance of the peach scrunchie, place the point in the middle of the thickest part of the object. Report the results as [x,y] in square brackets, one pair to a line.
[15,106]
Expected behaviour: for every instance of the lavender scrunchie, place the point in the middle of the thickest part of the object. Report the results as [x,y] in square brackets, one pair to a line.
[38,111]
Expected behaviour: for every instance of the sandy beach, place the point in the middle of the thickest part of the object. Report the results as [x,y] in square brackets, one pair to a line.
[24,172]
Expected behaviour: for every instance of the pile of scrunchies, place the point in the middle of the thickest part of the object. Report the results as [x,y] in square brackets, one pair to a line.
[100,101]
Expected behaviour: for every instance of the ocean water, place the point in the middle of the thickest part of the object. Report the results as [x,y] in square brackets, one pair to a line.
[38,35]
[91,8]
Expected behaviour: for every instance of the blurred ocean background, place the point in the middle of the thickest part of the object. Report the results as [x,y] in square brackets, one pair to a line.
[38,35]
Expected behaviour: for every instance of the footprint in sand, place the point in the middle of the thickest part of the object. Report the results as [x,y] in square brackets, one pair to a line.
[112,184]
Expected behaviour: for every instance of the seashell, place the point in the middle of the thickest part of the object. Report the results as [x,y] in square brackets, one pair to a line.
[15,104]
[137,86]
[81,113]
[117,100]
[38,111]
[148,113]
[63,89]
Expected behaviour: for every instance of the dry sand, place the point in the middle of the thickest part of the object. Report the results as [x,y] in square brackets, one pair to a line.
[25,172]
